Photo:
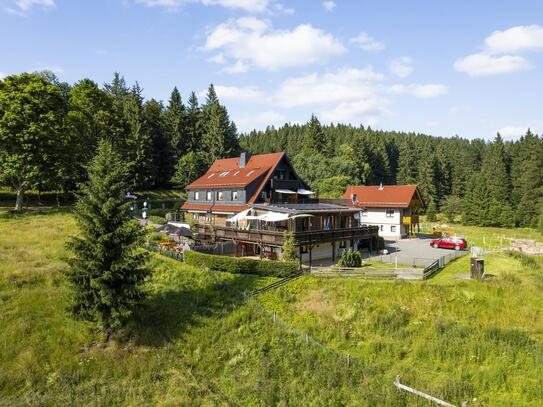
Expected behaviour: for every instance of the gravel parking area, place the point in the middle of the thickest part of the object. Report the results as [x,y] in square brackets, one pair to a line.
[411,252]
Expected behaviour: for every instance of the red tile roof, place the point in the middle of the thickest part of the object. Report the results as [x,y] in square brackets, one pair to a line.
[373,196]
[226,172]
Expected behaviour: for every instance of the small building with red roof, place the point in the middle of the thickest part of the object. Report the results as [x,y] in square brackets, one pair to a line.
[393,208]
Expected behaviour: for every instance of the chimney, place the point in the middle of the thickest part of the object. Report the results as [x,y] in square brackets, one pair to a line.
[381,187]
[244,159]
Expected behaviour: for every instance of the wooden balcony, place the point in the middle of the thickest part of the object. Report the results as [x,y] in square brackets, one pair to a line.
[410,220]
[275,238]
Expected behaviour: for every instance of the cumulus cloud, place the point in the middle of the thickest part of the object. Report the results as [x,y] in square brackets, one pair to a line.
[423,91]
[344,85]
[254,42]
[485,64]
[515,39]
[367,43]
[329,5]
[498,55]
[402,67]
[2,75]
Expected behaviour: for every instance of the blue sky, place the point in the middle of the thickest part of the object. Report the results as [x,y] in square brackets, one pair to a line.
[465,67]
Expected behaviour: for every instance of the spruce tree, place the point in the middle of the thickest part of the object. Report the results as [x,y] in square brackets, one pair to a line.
[407,168]
[107,269]
[194,124]
[219,134]
[316,140]
[289,247]
[174,119]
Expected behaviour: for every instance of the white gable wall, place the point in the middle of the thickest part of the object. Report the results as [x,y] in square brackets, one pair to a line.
[387,224]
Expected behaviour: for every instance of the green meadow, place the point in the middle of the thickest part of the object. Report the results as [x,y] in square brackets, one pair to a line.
[315,341]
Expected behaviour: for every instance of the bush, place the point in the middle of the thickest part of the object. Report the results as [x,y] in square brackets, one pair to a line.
[350,259]
[157,236]
[157,219]
[241,265]
[158,212]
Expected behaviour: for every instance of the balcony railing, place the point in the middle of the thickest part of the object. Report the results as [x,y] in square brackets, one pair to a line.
[276,238]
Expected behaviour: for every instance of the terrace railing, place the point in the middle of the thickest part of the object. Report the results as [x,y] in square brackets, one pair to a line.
[277,238]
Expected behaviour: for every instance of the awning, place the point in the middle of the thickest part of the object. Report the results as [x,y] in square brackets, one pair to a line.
[302,191]
[301,215]
[273,217]
[285,191]
[239,216]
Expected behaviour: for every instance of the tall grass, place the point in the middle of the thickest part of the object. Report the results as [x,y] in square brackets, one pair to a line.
[196,341]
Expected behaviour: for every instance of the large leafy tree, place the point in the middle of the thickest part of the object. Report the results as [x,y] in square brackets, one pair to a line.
[188,168]
[107,269]
[32,143]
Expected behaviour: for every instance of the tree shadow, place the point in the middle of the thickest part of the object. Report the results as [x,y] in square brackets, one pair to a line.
[167,313]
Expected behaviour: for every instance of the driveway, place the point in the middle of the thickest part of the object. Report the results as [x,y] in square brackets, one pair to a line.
[411,252]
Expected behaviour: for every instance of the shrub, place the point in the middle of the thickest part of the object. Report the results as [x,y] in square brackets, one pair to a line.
[158,212]
[289,247]
[157,236]
[241,265]
[157,219]
[350,259]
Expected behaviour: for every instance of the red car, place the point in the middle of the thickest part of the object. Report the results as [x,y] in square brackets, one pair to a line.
[456,243]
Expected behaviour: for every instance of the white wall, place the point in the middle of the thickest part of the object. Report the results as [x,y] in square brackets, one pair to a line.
[378,217]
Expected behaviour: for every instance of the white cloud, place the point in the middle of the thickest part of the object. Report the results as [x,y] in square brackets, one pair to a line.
[514,39]
[2,75]
[367,112]
[484,64]
[345,85]
[423,91]
[460,109]
[218,59]
[329,5]
[252,6]
[243,94]
[367,43]
[238,67]
[57,70]
[260,120]
[514,132]
[402,67]
[254,42]
[497,55]
[25,5]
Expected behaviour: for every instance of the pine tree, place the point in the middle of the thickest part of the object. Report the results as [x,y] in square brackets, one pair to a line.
[174,121]
[138,153]
[407,168]
[107,269]
[194,124]
[431,211]
[219,134]
[162,158]
[316,140]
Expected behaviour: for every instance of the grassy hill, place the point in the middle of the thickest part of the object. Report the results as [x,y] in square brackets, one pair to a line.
[196,341]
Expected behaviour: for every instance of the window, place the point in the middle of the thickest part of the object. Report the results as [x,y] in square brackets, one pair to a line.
[220,195]
[196,216]
[390,213]
[250,172]
[235,196]
[196,195]
[342,244]
[364,213]
[224,173]
[381,228]
[393,229]
[209,196]
[236,173]
[263,194]
[211,175]
[353,197]
[209,217]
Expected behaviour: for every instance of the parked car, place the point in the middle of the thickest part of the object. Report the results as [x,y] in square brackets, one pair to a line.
[456,243]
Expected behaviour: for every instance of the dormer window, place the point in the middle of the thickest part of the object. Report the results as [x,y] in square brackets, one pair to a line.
[196,195]
[220,195]
[235,196]
[211,175]
[250,172]
[209,195]
[224,174]
[236,173]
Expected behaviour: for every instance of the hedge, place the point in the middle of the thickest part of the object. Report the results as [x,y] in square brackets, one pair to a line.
[241,265]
